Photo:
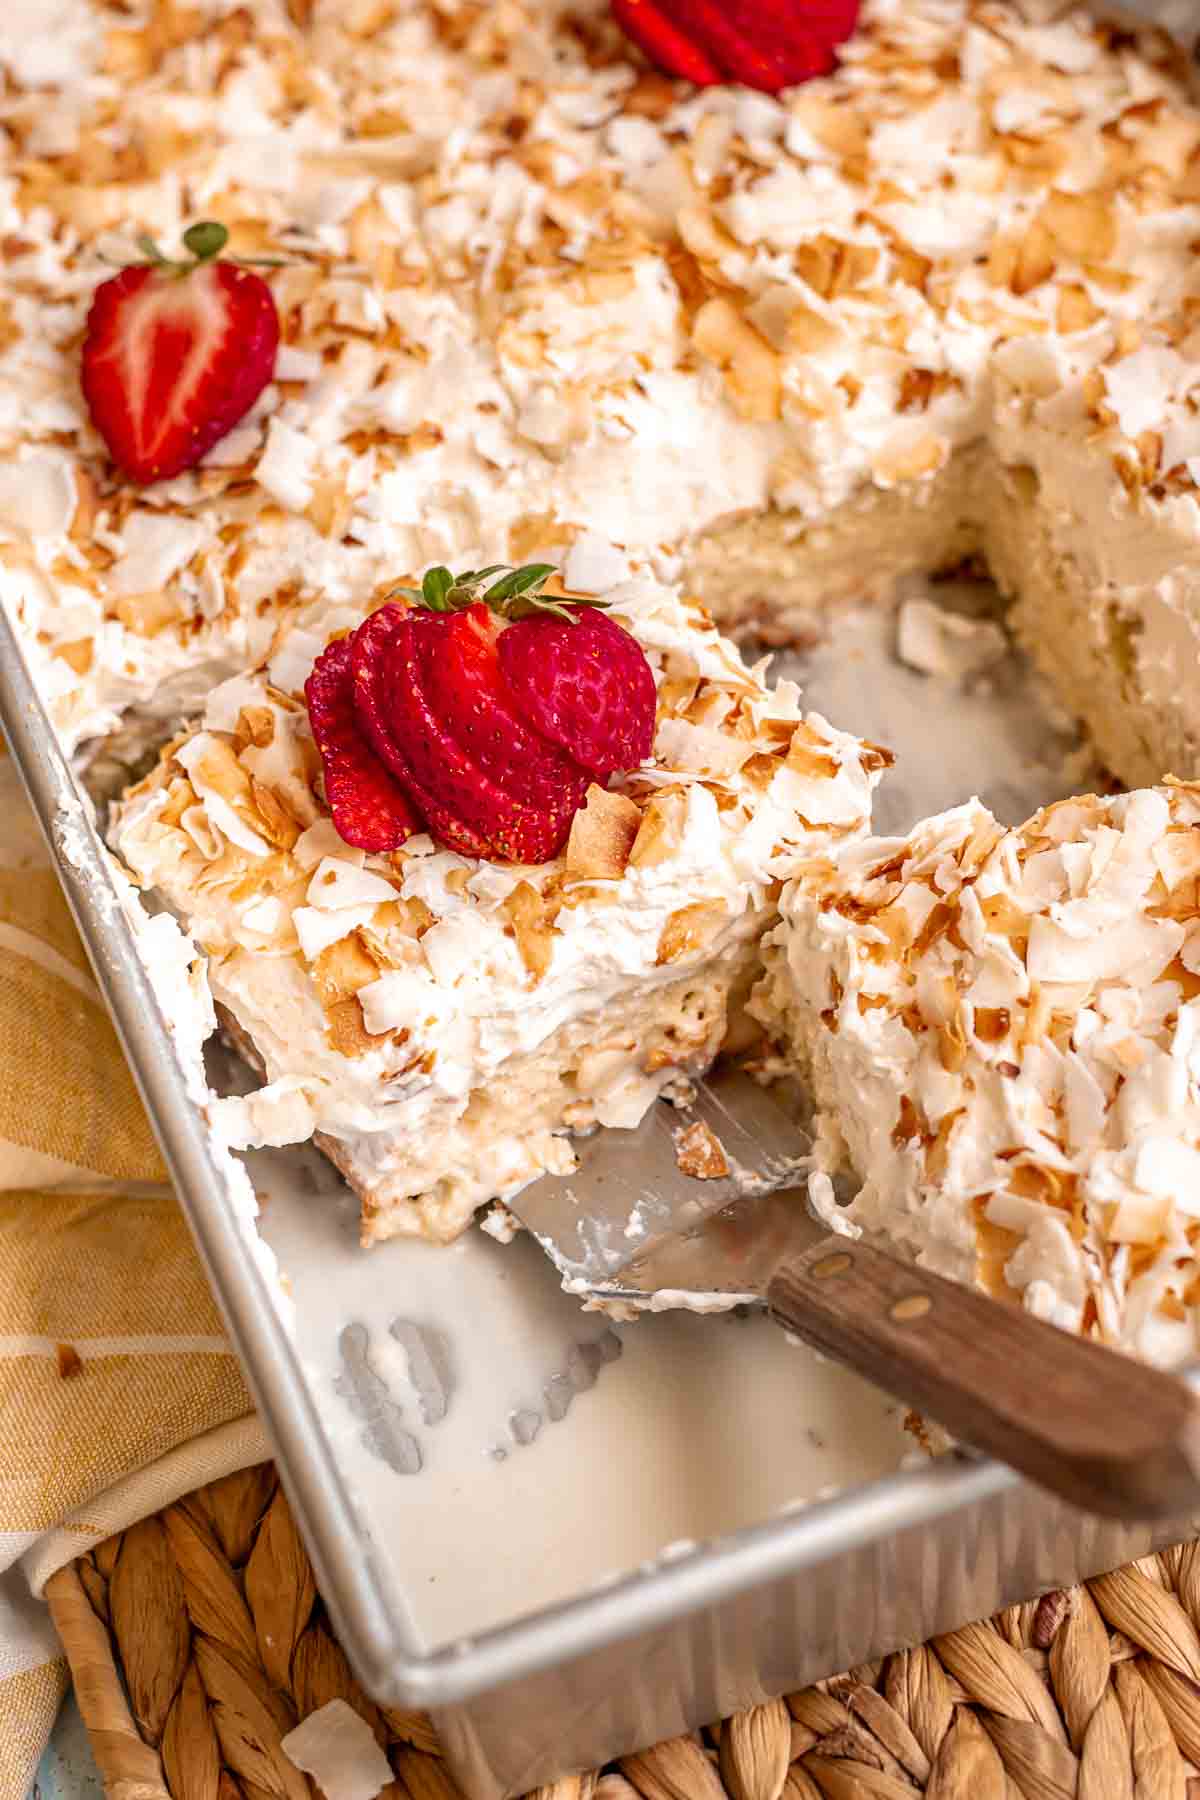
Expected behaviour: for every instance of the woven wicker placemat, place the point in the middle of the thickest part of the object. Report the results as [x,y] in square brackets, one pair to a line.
[197,1640]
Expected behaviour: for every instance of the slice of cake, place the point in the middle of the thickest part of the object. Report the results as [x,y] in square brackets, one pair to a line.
[437,1017]
[1001,1026]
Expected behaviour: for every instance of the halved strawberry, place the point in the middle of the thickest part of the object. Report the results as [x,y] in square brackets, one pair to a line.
[766,44]
[175,354]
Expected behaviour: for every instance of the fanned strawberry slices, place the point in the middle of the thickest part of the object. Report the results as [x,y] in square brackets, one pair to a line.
[176,353]
[765,44]
[481,713]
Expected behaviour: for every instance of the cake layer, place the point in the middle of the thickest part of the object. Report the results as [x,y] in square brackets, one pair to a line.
[435,1019]
[1001,1028]
[537,300]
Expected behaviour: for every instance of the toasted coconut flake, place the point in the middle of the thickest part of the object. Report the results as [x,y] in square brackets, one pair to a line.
[1081,225]
[690,930]
[219,769]
[1177,855]
[343,968]
[909,457]
[602,835]
[810,755]
[810,332]
[148,614]
[338,1749]
[347,1029]
[412,917]
[79,654]
[750,366]
[705,238]
[1035,261]
[661,830]
[256,726]
[530,918]
[274,820]
[1076,308]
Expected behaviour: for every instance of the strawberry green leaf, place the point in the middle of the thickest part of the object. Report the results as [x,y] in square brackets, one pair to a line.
[519,581]
[435,588]
[472,577]
[526,605]
[516,595]
[531,575]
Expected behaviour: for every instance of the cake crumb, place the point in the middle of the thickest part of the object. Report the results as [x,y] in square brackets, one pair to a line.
[936,642]
[700,1154]
[916,1427]
[499,1223]
[69,1361]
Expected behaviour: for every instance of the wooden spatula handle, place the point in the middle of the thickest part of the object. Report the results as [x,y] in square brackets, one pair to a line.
[1103,1431]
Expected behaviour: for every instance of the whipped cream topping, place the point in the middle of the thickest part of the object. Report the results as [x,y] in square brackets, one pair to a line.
[656,311]
[378,992]
[1004,1031]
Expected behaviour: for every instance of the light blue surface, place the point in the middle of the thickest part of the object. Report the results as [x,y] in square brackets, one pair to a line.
[67,1770]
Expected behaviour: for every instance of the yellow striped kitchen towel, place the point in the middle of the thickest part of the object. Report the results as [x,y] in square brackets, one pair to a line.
[118,1388]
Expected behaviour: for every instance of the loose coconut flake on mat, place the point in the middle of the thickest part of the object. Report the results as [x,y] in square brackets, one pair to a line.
[338,1749]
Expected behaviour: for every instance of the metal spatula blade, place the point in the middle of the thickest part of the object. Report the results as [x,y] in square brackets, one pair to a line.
[631,1225]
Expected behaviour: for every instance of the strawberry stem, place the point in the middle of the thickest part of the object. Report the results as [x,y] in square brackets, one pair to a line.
[516,595]
[206,240]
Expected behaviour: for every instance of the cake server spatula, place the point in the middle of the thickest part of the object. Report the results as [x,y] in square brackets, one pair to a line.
[1101,1430]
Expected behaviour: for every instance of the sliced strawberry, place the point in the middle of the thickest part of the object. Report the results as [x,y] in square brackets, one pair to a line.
[586,686]
[766,44]
[741,48]
[462,771]
[369,808]
[384,659]
[664,43]
[175,354]
[463,676]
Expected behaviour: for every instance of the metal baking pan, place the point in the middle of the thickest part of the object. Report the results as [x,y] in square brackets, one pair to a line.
[494,1486]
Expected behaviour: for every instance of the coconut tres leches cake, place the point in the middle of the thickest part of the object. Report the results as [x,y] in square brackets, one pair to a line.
[528,298]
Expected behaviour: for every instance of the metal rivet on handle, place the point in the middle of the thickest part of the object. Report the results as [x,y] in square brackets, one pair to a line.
[913,1306]
[830,1265]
